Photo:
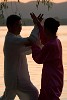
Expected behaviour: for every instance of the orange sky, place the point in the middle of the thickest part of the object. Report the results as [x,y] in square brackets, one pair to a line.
[57,1]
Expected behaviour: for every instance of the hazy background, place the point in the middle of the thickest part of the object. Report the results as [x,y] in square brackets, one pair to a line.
[57,10]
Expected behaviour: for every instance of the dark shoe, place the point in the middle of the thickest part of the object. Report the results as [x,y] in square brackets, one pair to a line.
[1,98]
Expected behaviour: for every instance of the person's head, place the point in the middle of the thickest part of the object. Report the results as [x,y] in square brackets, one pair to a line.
[50,27]
[14,24]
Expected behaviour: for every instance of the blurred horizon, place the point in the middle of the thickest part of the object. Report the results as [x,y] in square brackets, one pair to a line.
[55,1]
[26,1]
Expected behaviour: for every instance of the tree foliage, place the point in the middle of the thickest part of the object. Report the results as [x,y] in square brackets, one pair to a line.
[48,3]
[3,5]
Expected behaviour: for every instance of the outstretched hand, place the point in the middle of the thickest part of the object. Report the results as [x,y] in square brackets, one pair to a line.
[36,20]
[40,17]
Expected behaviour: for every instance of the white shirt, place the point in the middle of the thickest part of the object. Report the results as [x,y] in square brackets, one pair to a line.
[15,62]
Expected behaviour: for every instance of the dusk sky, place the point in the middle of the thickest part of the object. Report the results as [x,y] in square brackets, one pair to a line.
[57,1]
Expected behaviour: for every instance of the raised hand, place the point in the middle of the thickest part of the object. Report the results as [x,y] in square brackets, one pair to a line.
[38,19]
[35,19]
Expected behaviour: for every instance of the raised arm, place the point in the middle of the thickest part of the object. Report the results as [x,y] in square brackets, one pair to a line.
[37,22]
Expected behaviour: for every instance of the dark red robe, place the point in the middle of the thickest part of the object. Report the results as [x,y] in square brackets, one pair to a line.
[52,73]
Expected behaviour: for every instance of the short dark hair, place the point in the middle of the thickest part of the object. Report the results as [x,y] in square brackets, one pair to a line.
[51,24]
[12,19]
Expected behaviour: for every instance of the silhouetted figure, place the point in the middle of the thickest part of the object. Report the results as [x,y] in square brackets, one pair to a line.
[16,75]
[50,55]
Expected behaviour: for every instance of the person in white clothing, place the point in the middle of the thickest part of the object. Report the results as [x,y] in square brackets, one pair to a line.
[16,75]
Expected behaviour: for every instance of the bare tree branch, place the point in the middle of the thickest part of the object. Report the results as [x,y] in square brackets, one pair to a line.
[48,3]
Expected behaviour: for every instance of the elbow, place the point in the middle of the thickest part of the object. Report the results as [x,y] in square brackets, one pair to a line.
[37,61]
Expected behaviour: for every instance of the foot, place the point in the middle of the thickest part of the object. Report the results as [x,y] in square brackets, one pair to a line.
[1,98]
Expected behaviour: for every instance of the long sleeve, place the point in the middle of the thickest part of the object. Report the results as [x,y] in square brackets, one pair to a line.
[41,32]
[33,39]
[23,41]
[39,55]
[26,50]
[34,35]
[42,35]
[17,40]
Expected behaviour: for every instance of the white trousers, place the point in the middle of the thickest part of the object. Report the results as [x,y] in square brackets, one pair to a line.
[29,92]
